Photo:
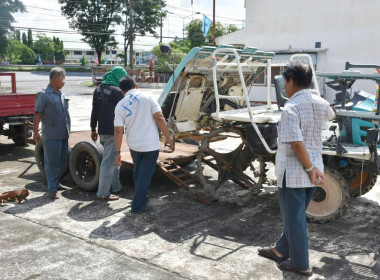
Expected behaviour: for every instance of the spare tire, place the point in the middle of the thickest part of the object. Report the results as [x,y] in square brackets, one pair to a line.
[39,157]
[85,160]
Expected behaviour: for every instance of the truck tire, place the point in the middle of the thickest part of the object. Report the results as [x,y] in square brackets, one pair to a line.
[331,199]
[39,157]
[19,137]
[85,160]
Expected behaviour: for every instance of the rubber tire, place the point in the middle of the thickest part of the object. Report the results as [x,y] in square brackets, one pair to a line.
[368,183]
[334,203]
[20,139]
[86,156]
[39,157]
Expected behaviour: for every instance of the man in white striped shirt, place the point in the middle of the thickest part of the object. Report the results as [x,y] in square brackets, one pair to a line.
[299,167]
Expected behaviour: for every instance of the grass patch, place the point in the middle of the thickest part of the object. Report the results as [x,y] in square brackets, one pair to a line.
[89,84]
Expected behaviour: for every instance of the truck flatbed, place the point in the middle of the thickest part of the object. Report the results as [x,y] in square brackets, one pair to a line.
[182,153]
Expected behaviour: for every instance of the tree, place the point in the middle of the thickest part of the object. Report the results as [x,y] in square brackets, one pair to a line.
[44,47]
[24,39]
[7,8]
[27,55]
[141,19]
[94,20]
[59,52]
[19,53]
[195,37]
[164,60]
[231,28]
[17,35]
[30,38]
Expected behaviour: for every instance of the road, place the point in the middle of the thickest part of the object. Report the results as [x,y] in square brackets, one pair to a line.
[76,89]
[78,237]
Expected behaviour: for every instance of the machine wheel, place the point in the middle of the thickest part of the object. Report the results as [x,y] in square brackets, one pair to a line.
[238,166]
[39,157]
[368,181]
[85,162]
[330,200]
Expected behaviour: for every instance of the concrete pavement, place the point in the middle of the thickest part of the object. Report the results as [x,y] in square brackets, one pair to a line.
[78,237]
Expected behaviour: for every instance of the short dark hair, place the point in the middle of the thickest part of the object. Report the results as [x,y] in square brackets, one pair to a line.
[300,73]
[56,72]
[127,83]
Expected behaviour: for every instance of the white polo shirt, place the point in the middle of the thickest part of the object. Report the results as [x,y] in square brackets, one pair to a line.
[302,119]
[135,113]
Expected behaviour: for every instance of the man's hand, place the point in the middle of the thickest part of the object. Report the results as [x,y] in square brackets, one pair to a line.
[94,136]
[168,143]
[316,177]
[118,160]
[36,136]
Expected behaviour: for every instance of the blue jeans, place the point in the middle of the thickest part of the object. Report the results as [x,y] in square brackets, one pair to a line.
[55,161]
[109,172]
[293,242]
[143,170]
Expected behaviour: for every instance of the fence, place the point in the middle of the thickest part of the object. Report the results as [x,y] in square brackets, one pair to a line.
[140,76]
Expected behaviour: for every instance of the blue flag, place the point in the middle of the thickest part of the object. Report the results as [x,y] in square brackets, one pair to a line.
[39,59]
[243,24]
[206,24]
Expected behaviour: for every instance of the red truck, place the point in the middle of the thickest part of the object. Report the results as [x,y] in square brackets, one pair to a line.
[16,113]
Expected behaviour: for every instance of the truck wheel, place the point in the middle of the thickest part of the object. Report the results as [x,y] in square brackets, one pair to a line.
[39,157]
[368,181]
[330,200]
[19,135]
[85,162]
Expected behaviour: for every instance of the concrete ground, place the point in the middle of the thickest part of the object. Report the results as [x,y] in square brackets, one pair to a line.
[79,237]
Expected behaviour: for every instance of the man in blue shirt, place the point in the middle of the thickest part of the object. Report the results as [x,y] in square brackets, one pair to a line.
[52,109]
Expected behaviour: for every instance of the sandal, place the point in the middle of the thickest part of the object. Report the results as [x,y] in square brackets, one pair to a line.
[286,266]
[110,197]
[268,253]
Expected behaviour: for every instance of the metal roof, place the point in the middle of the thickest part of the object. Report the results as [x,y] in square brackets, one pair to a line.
[283,58]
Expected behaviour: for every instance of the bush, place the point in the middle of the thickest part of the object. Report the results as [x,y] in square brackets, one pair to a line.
[27,55]
[84,61]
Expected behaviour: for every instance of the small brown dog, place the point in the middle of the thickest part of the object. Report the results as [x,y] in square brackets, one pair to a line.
[16,196]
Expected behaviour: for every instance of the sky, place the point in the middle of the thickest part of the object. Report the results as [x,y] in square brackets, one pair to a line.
[46,16]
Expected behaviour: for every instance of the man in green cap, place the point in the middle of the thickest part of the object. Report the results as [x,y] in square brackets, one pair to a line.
[104,101]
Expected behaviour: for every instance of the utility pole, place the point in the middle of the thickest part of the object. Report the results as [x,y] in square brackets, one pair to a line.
[131,37]
[213,24]
[161,31]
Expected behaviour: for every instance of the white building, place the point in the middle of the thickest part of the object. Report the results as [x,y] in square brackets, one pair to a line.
[73,55]
[333,31]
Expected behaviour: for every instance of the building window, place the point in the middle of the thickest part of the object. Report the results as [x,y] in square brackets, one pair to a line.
[67,52]
[137,54]
[77,52]
[90,53]
[107,52]
[276,71]
[114,52]
[261,79]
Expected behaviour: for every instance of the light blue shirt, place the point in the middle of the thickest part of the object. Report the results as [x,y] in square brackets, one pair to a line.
[55,118]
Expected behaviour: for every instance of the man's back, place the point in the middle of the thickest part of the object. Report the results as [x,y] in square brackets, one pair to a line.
[103,106]
[136,111]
